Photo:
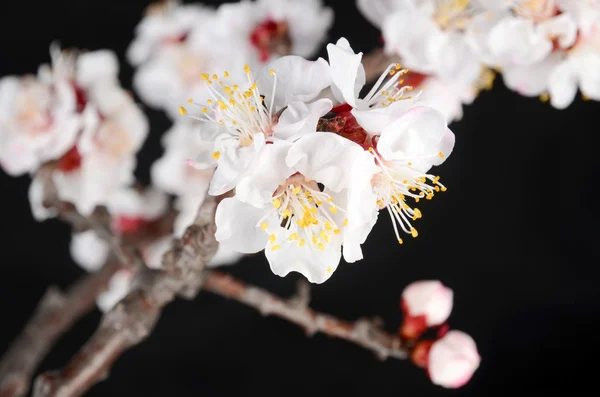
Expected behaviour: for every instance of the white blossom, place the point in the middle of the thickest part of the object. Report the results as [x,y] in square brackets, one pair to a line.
[241,117]
[543,47]
[39,115]
[403,141]
[103,159]
[281,208]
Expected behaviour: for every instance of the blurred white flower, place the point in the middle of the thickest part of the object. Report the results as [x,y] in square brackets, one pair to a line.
[176,43]
[453,359]
[103,159]
[165,24]
[543,47]
[272,28]
[241,117]
[280,207]
[430,299]
[39,115]
[171,173]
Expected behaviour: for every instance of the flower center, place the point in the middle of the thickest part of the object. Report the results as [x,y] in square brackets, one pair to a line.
[393,185]
[305,213]
[389,88]
[242,113]
[271,37]
[453,14]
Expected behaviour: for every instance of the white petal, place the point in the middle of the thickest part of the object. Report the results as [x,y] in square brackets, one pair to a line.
[516,41]
[347,71]
[420,135]
[89,251]
[295,79]
[316,265]
[237,227]
[562,85]
[325,158]
[530,80]
[231,165]
[407,33]
[589,74]
[562,27]
[362,210]
[300,118]
[266,173]
[36,197]
[97,67]
[224,257]
[375,120]
[118,288]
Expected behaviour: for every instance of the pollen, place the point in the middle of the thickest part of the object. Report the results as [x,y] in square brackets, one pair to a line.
[190,100]
[275,248]
[276,203]
[182,111]
[414,232]
[272,72]
[216,155]
[272,238]
[264,226]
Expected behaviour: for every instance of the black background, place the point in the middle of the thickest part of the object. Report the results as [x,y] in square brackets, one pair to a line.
[514,237]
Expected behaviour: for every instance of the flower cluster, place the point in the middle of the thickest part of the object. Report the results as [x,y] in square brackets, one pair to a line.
[174,43]
[74,112]
[312,161]
[542,47]
[450,359]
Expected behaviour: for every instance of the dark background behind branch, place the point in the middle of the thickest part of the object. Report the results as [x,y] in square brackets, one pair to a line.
[514,237]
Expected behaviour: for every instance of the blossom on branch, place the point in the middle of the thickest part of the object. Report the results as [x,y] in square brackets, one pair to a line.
[240,117]
[543,47]
[176,43]
[292,205]
[403,141]
[428,37]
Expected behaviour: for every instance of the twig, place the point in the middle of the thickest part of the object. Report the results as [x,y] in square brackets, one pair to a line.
[55,313]
[364,332]
[57,310]
[131,321]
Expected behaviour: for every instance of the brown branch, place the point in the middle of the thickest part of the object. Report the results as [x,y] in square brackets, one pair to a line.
[132,320]
[364,333]
[57,310]
[55,313]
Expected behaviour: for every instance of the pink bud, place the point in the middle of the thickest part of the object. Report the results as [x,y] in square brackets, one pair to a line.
[453,360]
[430,299]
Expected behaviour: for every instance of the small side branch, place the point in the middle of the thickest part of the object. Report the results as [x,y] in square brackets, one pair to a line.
[364,332]
[56,312]
[132,320]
